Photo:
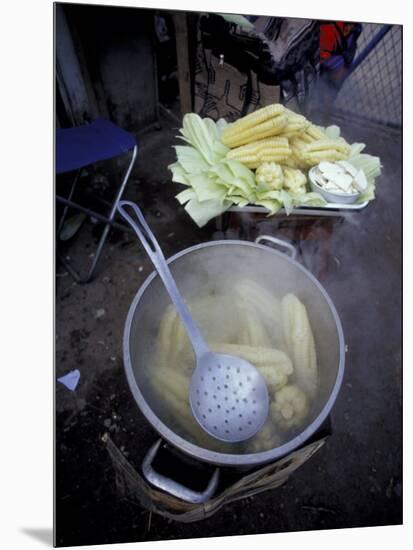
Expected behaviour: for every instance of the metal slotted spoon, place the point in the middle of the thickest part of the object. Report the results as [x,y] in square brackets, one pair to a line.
[228,396]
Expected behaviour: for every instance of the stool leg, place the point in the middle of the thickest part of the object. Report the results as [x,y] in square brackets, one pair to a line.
[111,217]
[72,189]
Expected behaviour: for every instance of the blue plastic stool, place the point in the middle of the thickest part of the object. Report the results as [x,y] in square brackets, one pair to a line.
[79,147]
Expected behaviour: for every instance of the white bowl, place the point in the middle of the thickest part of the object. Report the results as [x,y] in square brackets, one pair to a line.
[330,196]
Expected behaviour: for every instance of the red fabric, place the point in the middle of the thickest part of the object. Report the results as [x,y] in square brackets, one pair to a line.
[331,42]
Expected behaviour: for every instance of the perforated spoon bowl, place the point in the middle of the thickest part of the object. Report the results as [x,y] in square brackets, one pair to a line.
[228,395]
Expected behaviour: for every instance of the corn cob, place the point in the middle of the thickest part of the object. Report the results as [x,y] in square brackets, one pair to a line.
[327,145]
[300,342]
[168,386]
[312,133]
[315,132]
[289,408]
[209,312]
[180,335]
[172,380]
[165,346]
[267,438]
[253,154]
[297,158]
[293,161]
[172,339]
[258,356]
[250,292]
[294,180]
[273,376]
[296,124]
[298,143]
[253,332]
[266,122]
[306,155]
[315,157]
[326,150]
[305,137]
[270,174]
[267,306]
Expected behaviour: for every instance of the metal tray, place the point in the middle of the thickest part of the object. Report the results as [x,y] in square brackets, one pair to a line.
[329,209]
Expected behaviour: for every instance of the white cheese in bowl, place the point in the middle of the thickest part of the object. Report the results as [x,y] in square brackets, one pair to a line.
[340,177]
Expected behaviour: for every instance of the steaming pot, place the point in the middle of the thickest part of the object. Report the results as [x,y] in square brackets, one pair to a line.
[202,268]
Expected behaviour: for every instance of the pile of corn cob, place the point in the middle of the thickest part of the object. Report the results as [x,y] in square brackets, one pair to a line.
[272,333]
[261,159]
[281,146]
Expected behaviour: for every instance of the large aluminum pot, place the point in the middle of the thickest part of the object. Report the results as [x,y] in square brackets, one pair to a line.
[199,270]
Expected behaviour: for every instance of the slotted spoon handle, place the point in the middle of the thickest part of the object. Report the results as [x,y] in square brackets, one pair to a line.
[149,242]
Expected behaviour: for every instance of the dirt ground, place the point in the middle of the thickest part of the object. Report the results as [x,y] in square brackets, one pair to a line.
[353,481]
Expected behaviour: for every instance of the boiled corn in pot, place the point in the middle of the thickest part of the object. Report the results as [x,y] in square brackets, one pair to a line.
[253,301]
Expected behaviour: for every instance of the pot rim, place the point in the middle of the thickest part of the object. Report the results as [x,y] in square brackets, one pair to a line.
[214,457]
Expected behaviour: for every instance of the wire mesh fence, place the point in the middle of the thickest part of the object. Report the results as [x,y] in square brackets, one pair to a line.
[373,90]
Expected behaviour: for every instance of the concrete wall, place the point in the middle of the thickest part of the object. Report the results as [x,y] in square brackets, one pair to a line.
[106,65]
[70,81]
